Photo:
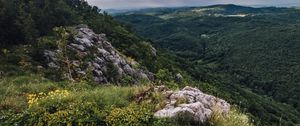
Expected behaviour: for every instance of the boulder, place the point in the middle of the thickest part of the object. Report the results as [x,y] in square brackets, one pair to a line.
[191,101]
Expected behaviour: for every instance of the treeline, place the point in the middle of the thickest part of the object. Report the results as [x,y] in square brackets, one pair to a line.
[24,21]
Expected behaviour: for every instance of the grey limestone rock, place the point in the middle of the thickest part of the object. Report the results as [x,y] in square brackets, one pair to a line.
[98,53]
[198,104]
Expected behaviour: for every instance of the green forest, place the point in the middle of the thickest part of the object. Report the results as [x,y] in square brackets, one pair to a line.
[253,58]
[246,56]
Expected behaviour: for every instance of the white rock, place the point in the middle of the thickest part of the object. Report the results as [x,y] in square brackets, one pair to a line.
[198,105]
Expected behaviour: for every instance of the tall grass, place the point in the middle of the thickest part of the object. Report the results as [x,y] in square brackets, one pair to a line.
[84,101]
[88,103]
[13,90]
[233,118]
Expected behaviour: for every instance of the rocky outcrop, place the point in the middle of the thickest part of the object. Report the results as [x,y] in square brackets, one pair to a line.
[92,52]
[190,101]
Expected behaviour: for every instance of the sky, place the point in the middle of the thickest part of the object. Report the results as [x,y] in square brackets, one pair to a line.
[131,4]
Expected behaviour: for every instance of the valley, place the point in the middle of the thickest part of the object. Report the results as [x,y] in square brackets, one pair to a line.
[253,50]
[70,63]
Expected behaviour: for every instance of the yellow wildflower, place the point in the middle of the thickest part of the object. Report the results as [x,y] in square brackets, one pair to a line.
[33,99]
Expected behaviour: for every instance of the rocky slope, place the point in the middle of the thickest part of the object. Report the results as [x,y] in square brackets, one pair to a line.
[90,52]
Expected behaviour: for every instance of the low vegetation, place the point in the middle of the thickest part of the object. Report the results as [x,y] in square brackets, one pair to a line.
[233,118]
[34,100]
[33,94]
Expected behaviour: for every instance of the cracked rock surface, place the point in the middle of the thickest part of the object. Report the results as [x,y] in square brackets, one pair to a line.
[93,52]
[195,103]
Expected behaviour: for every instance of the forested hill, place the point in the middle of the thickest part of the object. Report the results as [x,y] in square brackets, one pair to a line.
[250,52]
[65,62]
[27,21]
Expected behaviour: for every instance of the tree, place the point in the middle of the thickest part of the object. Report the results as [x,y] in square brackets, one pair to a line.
[62,41]
[25,23]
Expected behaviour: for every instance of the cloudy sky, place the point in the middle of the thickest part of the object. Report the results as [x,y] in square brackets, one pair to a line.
[127,4]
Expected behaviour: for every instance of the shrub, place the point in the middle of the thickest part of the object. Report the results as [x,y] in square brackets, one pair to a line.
[186,118]
[163,122]
[133,115]
[181,119]
[163,75]
[60,107]
[126,80]
[85,113]
[108,96]
[13,90]
[112,73]
[31,100]
[34,99]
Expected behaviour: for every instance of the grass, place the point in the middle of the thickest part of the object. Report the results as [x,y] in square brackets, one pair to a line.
[233,118]
[83,101]
[13,91]
[32,99]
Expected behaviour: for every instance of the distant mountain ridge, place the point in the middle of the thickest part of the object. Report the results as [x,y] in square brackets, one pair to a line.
[227,7]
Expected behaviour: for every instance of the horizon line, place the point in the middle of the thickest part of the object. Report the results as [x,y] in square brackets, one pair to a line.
[288,5]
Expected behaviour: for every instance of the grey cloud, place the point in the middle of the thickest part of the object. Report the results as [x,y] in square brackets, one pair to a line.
[119,4]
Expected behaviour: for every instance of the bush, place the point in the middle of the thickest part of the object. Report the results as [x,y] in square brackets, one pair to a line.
[186,118]
[133,115]
[31,100]
[13,90]
[127,80]
[163,122]
[63,107]
[60,107]
[163,75]
[108,96]
[112,73]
